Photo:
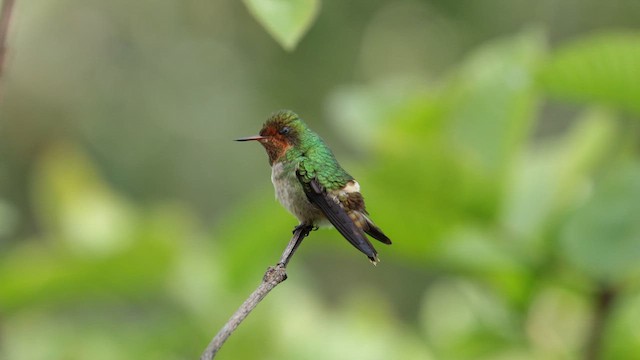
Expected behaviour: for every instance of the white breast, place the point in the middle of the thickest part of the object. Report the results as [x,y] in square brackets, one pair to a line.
[290,194]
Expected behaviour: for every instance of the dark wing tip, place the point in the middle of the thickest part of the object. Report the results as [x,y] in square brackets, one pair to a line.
[376,233]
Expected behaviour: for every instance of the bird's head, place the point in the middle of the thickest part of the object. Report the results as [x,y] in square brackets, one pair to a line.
[282,131]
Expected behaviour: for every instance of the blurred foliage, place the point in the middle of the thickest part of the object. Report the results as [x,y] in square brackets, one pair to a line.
[504,165]
[602,68]
[286,21]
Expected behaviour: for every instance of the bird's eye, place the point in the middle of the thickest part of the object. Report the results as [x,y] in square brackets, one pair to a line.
[284,131]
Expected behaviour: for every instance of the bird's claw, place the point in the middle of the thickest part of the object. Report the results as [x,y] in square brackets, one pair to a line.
[304,227]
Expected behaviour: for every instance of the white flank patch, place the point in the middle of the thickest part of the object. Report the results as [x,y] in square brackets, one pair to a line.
[352,186]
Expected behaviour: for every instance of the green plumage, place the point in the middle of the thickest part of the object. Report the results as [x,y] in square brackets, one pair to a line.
[315,160]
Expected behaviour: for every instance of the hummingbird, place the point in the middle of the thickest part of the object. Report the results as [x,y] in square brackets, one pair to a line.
[310,183]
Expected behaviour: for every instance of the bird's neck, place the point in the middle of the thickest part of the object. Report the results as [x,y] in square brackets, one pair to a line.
[281,154]
[286,152]
[276,151]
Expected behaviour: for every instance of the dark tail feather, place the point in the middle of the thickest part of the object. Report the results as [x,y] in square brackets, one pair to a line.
[375,232]
[371,253]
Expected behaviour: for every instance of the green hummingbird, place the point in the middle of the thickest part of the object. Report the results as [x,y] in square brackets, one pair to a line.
[310,183]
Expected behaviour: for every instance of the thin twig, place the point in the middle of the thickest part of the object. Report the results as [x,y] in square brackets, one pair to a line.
[274,276]
[5,19]
[604,303]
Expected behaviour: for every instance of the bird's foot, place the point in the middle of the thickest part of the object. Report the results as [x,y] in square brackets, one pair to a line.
[305,227]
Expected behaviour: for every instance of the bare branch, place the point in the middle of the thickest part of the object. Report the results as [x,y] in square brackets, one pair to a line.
[274,276]
[5,19]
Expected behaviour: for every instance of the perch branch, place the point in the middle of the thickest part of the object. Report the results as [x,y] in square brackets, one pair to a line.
[274,276]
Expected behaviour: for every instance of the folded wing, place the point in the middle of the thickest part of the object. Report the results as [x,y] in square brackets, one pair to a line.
[337,216]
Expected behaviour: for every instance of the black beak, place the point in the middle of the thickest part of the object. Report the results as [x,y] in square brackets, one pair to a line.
[252,138]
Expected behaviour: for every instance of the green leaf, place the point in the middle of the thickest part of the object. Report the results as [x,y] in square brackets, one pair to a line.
[603,68]
[602,238]
[286,20]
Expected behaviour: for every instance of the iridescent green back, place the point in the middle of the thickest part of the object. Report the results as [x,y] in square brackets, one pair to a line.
[315,159]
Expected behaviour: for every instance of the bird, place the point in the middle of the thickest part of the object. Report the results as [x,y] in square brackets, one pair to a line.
[310,183]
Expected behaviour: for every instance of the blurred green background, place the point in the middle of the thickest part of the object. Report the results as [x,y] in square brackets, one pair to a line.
[497,143]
